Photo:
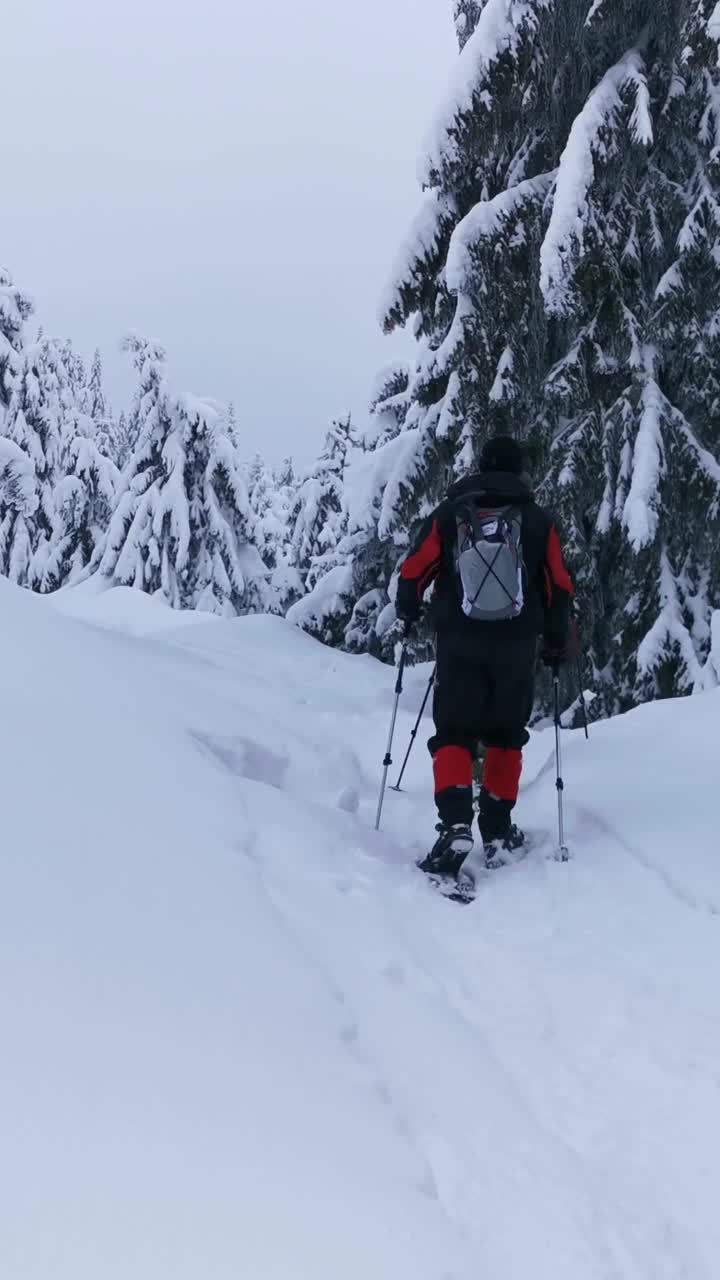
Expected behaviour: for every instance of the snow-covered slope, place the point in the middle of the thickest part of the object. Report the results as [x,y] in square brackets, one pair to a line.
[242,1038]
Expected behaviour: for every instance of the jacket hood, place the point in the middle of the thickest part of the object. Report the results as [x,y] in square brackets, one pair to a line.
[494,487]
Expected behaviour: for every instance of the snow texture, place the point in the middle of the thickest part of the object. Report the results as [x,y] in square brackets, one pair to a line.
[713,26]
[498,30]
[641,514]
[669,633]
[17,478]
[499,389]
[242,1037]
[586,144]
[593,11]
[375,480]
[328,596]
[421,242]
[484,221]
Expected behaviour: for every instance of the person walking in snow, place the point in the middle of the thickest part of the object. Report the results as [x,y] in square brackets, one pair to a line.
[500,582]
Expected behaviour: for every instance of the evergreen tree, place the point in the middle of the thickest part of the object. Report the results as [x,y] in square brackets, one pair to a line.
[98,409]
[260,487]
[15,310]
[18,491]
[85,499]
[316,546]
[285,581]
[35,423]
[231,427]
[389,404]
[467,13]
[349,604]
[316,517]
[630,273]
[284,476]
[125,439]
[563,277]
[75,374]
[284,493]
[75,399]
[86,481]
[270,503]
[183,528]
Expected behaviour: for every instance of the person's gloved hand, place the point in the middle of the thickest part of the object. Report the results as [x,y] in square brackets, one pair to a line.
[553,655]
[408,622]
[556,653]
[407,604]
[408,616]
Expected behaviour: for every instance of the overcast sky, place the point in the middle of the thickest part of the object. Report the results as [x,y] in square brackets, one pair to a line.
[231,177]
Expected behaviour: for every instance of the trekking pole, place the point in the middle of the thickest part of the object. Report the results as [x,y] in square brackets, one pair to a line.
[563,851]
[388,754]
[413,735]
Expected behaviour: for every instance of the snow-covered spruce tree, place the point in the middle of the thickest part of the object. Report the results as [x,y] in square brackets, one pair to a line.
[316,527]
[285,485]
[562,278]
[349,604]
[84,500]
[18,491]
[378,482]
[316,515]
[15,309]
[630,272]
[75,373]
[230,424]
[259,483]
[98,409]
[271,499]
[125,438]
[466,13]
[35,423]
[76,482]
[183,527]
[284,475]
[285,581]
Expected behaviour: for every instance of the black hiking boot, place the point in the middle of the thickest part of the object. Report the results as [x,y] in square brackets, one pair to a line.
[499,852]
[450,850]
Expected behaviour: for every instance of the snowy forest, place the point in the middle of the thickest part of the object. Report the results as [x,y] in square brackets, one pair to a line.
[561,282]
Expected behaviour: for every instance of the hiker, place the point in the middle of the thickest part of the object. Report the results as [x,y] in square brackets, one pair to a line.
[500,582]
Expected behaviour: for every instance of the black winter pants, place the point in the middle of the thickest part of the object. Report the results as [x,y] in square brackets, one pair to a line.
[483,695]
[487,697]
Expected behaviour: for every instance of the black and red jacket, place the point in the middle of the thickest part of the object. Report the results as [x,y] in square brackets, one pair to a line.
[548,590]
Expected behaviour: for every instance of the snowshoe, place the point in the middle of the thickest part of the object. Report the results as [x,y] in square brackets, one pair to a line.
[450,850]
[459,888]
[498,853]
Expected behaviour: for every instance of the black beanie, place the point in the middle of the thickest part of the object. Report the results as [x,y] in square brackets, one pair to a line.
[502,453]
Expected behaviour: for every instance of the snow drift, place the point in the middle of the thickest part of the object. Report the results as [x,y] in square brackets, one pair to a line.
[242,1037]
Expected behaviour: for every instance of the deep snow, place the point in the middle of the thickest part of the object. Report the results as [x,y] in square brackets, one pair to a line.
[241,1037]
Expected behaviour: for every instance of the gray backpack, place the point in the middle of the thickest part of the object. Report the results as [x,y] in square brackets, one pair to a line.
[489,561]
